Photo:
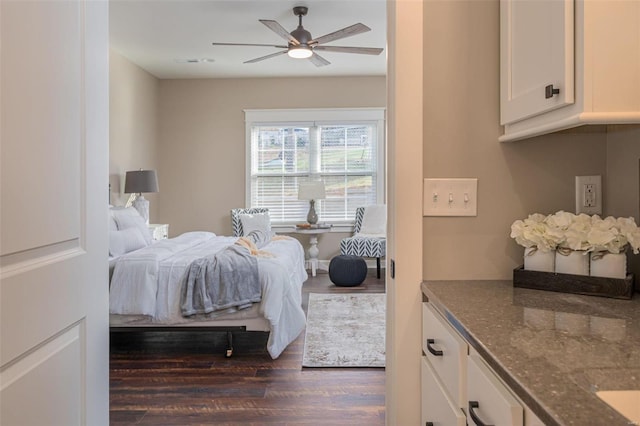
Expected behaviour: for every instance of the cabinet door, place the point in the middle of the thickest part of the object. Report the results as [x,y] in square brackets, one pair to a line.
[446,351]
[536,51]
[437,407]
[489,400]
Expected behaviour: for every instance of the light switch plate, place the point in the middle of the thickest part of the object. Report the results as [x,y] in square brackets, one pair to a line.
[450,197]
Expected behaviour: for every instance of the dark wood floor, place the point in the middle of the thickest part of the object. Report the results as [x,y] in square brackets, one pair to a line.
[184,379]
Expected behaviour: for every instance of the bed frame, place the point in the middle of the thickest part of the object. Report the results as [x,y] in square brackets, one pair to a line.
[223,325]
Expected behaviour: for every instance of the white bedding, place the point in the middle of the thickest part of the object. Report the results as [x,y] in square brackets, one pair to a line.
[149,281]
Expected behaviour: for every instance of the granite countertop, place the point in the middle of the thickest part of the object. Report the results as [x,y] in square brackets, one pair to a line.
[553,349]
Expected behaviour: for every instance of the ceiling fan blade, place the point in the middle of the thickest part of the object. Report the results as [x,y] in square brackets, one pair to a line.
[262,58]
[318,60]
[345,32]
[279,29]
[249,44]
[345,49]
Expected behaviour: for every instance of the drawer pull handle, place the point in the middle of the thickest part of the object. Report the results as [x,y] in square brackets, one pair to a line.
[428,424]
[435,352]
[549,91]
[474,416]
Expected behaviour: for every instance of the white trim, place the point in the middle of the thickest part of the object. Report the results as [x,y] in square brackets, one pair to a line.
[312,115]
[317,117]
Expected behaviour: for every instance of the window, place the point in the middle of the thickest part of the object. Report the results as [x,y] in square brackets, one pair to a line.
[342,147]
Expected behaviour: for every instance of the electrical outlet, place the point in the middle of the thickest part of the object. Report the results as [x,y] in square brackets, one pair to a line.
[589,194]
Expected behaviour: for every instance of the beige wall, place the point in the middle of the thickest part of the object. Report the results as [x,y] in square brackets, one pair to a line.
[461,123]
[133,135]
[202,141]
[622,182]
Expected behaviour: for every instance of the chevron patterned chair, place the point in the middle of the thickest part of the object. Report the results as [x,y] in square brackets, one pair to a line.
[369,240]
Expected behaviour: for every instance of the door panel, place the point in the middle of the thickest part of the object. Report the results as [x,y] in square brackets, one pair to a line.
[41,127]
[53,217]
[39,375]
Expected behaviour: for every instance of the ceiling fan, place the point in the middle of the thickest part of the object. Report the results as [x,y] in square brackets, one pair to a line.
[300,44]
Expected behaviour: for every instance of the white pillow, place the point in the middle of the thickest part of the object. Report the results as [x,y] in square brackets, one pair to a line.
[255,222]
[374,221]
[113,226]
[130,218]
[124,241]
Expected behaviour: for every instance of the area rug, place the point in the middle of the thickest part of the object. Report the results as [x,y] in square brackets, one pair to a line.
[345,330]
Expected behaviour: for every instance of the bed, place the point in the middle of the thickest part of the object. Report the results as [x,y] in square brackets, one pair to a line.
[147,282]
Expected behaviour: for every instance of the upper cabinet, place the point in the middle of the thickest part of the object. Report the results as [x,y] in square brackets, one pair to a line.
[536,58]
[564,64]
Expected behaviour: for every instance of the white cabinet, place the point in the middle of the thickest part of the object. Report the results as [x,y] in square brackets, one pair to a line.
[536,65]
[458,387]
[589,51]
[490,403]
[159,231]
[438,408]
[444,369]
[446,351]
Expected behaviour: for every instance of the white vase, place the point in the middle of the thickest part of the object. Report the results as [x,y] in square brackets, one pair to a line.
[610,265]
[573,262]
[536,260]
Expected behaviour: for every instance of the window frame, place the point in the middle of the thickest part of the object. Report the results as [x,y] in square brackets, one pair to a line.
[319,117]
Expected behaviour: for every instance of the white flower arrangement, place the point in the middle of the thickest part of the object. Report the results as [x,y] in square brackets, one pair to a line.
[534,232]
[567,231]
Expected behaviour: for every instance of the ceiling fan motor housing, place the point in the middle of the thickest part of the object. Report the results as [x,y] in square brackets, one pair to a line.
[300,34]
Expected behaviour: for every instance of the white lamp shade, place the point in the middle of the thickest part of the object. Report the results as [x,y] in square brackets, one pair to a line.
[313,190]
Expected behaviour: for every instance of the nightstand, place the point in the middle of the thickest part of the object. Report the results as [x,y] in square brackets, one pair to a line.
[159,231]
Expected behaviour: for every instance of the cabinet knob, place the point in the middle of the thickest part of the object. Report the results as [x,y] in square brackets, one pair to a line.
[549,91]
[472,406]
[433,350]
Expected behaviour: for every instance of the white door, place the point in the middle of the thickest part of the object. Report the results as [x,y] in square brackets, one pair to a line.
[54,345]
[536,53]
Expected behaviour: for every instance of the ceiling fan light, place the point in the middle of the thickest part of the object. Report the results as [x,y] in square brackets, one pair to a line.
[300,52]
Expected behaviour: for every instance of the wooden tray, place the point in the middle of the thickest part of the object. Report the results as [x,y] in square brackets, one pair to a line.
[616,288]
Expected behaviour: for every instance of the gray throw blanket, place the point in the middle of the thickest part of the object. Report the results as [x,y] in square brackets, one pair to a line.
[229,279]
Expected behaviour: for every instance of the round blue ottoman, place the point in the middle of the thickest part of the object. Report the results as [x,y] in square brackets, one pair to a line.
[347,271]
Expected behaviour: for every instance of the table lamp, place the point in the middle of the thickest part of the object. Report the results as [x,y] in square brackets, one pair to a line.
[311,191]
[137,182]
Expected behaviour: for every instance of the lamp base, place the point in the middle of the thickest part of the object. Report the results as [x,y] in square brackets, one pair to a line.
[312,217]
[142,205]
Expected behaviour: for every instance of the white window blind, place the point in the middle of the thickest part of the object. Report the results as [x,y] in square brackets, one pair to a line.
[346,154]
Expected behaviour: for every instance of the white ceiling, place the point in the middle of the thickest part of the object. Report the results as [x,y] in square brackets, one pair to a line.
[155,34]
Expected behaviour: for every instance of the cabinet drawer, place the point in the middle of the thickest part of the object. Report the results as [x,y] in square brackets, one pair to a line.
[437,408]
[494,404]
[447,353]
